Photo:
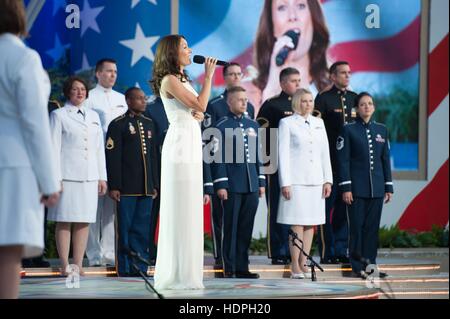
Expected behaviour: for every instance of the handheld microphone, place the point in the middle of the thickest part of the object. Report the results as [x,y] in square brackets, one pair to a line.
[200,59]
[282,55]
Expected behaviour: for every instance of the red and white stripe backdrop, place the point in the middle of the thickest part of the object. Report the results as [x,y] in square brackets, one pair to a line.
[419,205]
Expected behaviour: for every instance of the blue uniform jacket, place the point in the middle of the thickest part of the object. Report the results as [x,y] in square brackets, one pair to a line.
[218,108]
[364,160]
[238,177]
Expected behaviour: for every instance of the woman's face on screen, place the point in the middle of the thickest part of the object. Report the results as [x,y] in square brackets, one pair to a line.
[293,15]
[184,53]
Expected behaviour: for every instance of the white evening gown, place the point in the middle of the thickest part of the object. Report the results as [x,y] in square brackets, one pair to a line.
[179,262]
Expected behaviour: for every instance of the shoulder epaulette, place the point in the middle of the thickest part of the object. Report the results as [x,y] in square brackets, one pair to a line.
[325,90]
[216,99]
[381,124]
[119,118]
[146,117]
[222,120]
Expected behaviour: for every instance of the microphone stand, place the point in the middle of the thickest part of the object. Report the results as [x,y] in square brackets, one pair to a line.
[135,257]
[312,263]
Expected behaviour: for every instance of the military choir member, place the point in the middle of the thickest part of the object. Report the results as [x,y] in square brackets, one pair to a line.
[132,165]
[269,116]
[364,180]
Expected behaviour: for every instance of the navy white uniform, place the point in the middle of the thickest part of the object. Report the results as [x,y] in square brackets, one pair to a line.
[132,165]
[336,108]
[218,108]
[242,179]
[269,116]
[364,169]
[79,154]
[109,104]
[27,169]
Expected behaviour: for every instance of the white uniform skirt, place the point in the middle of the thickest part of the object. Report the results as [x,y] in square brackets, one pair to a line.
[21,213]
[305,208]
[78,203]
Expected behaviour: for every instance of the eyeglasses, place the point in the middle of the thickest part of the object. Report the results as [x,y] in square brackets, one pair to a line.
[234,74]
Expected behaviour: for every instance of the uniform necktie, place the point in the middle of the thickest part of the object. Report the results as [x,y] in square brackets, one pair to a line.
[81,112]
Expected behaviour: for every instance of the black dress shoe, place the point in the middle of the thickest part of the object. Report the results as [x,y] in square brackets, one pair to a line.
[343,260]
[247,274]
[382,275]
[329,261]
[361,275]
[37,262]
[280,261]
[228,274]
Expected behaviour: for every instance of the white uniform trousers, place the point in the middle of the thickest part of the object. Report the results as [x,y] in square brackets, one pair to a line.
[100,246]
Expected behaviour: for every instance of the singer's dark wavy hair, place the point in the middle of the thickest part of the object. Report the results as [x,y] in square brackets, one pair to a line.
[265,41]
[166,62]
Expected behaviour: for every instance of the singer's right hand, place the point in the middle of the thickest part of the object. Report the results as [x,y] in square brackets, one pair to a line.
[210,67]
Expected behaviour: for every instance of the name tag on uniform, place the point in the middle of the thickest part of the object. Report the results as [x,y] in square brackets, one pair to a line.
[288,113]
[318,127]
[96,123]
[149,134]
[120,105]
[338,110]
[379,139]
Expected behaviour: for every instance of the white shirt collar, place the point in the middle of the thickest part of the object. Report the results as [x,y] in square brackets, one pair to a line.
[303,119]
[103,89]
[76,108]
[13,38]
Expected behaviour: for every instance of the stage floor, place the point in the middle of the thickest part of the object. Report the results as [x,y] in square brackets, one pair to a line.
[215,288]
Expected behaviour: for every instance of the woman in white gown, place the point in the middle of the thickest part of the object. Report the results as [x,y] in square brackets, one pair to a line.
[179,262]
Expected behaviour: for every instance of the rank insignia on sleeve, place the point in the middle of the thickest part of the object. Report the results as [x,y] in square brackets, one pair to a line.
[110,144]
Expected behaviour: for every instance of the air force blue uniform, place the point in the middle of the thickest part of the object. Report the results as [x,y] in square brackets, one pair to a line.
[217,109]
[364,169]
[242,180]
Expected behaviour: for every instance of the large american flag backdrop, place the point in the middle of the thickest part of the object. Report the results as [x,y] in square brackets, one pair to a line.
[384,61]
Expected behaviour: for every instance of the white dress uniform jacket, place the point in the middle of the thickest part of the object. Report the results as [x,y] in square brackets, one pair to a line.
[26,165]
[109,104]
[79,146]
[304,157]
